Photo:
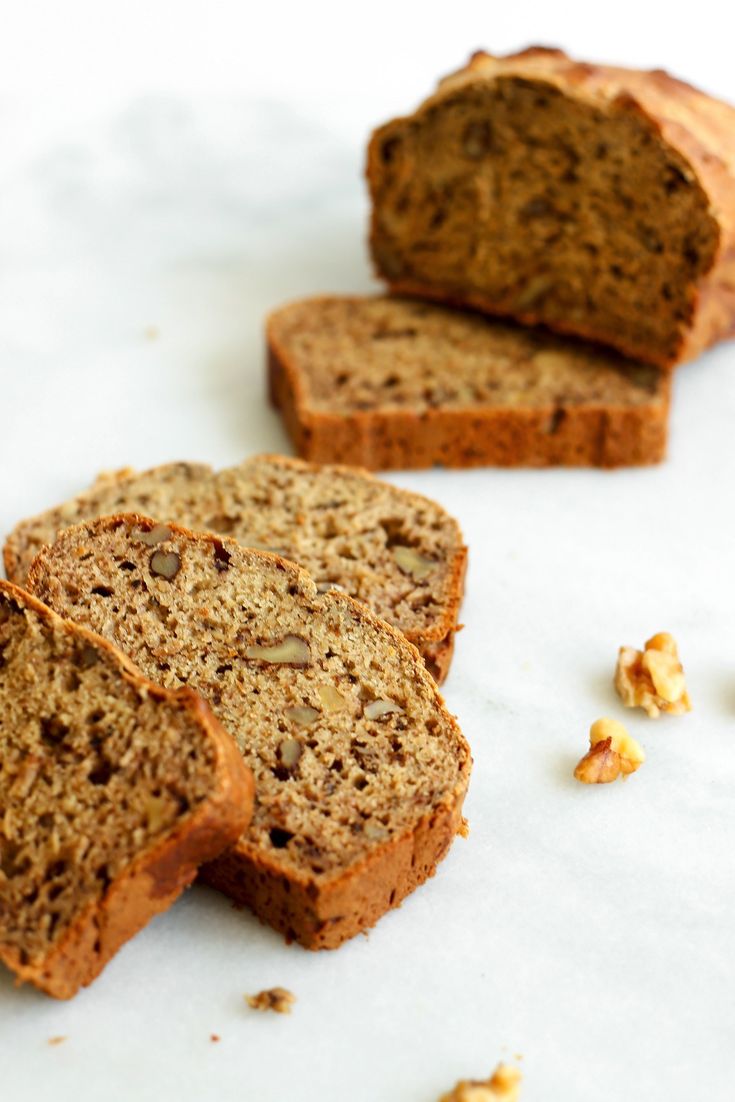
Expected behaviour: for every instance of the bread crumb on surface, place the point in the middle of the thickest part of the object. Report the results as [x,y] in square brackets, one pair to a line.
[274,998]
[214,1038]
[56,1040]
[504,1085]
[653,678]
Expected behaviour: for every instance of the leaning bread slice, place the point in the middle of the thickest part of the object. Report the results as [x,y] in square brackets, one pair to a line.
[112,792]
[360,770]
[391,382]
[397,552]
[596,200]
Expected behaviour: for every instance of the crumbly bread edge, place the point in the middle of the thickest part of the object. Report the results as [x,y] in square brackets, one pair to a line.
[156,876]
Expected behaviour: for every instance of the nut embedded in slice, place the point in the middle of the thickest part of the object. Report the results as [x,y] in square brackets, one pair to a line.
[331,698]
[166,564]
[289,752]
[291,651]
[612,752]
[410,561]
[504,1085]
[376,709]
[301,714]
[157,534]
[653,679]
[275,998]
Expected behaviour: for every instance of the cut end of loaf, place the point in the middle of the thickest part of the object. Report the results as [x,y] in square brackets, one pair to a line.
[543,189]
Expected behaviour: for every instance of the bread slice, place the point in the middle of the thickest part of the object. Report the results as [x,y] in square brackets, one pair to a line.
[360,770]
[399,553]
[390,382]
[112,792]
[598,201]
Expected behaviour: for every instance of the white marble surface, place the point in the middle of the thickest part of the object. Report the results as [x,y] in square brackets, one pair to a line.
[590,930]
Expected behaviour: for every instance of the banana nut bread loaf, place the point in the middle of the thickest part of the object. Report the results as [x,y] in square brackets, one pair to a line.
[112,792]
[598,201]
[360,771]
[399,553]
[391,382]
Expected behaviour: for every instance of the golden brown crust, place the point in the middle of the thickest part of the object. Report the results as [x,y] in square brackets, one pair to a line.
[694,125]
[323,916]
[157,876]
[593,435]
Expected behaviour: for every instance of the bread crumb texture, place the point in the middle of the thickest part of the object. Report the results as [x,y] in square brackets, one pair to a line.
[98,767]
[356,760]
[395,382]
[397,552]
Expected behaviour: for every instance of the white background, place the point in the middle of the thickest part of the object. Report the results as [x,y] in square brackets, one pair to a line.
[168,173]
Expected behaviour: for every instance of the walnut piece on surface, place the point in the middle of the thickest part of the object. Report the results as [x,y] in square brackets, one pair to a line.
[274,998]
[612,752]
[504,1085]
[653,679]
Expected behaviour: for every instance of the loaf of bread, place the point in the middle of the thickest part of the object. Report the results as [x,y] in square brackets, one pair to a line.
[598,201]
[112,792]
[399,553]
[360,771]
[391,382]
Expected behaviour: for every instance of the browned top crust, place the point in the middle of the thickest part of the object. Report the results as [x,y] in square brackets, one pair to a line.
[697,127]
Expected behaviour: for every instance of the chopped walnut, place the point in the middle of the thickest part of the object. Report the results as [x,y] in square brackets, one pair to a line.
[612,752]
[653,679]
[504,1085]
[275,998]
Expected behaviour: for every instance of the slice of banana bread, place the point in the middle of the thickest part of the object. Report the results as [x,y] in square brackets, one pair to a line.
[399,553]
[598,201]
[112,792]
[390,382]
[360,770]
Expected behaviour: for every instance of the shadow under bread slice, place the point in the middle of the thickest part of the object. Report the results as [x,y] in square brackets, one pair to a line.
[397,552]
[112,792]
[360,770]
[399,383]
